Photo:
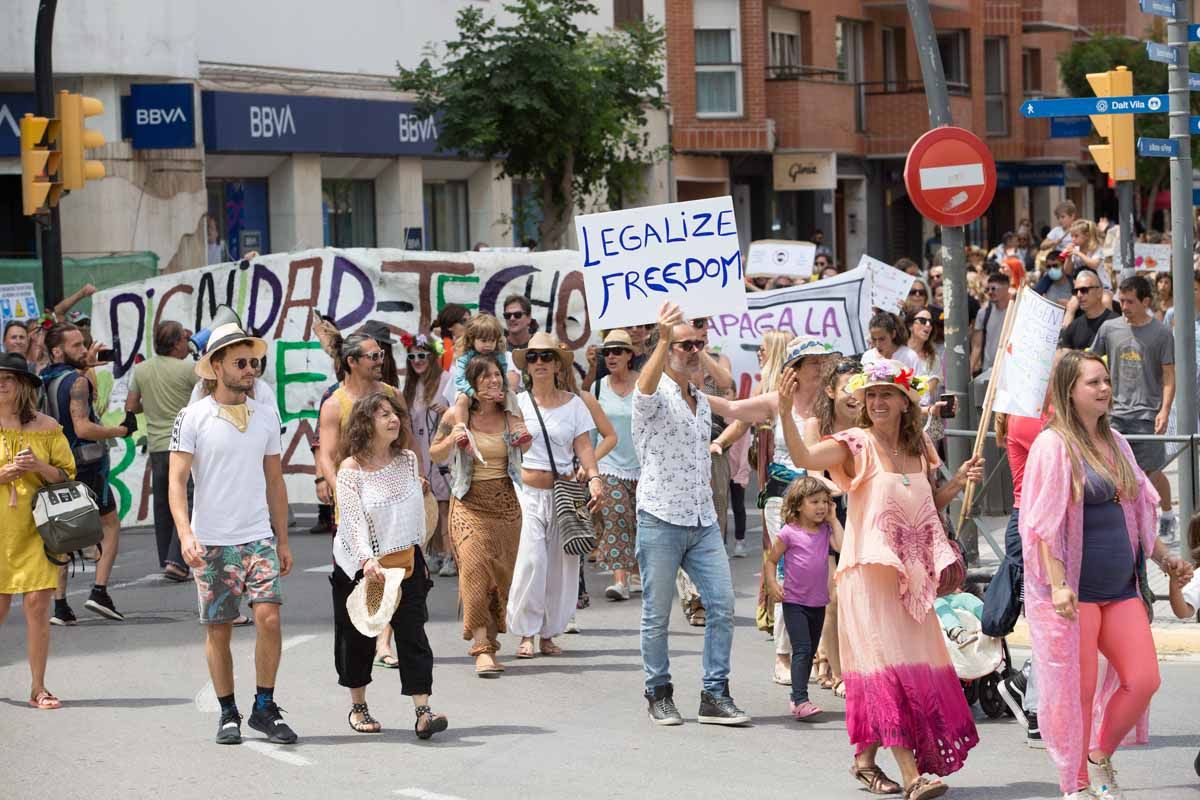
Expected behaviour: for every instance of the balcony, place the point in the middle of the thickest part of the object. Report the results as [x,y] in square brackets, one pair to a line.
[1038,16]
[815,108]
[724,136]
[897,113]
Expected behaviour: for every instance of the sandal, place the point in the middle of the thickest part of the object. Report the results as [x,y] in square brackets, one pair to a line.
[242,620]
[387,661]
[174,573]
[525,649]
[367,724]
[874,779]
[549,648]
[487,669]
[924,789]
[839,689]
[435,723]
[44,701]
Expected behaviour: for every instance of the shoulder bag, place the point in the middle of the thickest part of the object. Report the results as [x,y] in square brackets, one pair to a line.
[570,503]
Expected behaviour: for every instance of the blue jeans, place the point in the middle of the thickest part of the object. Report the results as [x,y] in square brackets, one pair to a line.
[804,629]
[662,548]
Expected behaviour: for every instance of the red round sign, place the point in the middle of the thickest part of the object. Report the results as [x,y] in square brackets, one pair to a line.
[950,176]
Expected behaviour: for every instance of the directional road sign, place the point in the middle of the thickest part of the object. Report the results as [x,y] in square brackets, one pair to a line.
[950,176]
[1194,81]
[1157,148]
[1070,127]
[1086,106]
[1162,53]
[1194,33]
[1160,8]
[1194,125]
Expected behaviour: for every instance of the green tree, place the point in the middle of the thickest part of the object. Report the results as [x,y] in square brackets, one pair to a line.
[550,102]
[1102,53]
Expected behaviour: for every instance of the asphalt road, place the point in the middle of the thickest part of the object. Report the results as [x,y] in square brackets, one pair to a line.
[139,715]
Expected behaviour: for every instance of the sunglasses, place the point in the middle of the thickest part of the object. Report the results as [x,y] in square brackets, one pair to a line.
[921,292]
[544,356]
[242,363]
[690,345]
[923,320]
[649,326]
[1082,290]
[616,351]
[418,356]
[514,315]
[700,324]
[375,356]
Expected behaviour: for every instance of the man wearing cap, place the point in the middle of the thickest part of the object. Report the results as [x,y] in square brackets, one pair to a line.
[677,523]
[229,444]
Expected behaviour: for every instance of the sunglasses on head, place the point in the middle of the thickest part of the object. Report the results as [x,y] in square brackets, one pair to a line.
[375,356]
[690,345]
[514,314]
[418,356]
[242,363]
[545,356]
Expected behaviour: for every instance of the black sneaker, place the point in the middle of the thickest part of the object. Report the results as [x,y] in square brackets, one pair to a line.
[1012,690]
[63,615]
[1033,737]
[720,710]
[100,603]
[269,721]
[229,729]
[662,706]
[323,527]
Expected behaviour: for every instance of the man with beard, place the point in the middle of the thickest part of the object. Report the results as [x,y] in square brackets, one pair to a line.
[70,396]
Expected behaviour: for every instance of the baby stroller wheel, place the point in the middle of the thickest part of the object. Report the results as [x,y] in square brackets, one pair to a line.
[989,697]
[971,691]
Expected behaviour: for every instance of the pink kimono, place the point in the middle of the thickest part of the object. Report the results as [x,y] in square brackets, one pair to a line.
[1050,514]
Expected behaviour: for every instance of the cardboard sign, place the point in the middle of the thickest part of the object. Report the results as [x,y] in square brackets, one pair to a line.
[18,301]
[889,286]
[770,257]
[1029,355]
[637,259]
[1150,257]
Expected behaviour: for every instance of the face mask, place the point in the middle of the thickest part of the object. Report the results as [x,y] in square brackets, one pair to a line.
[1054,273]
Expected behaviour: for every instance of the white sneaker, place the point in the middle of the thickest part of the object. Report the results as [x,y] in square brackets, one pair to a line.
[1103,778]
[739,548]
[635,583]
[448,570]
[572,625]
[618,591]
[1082,794]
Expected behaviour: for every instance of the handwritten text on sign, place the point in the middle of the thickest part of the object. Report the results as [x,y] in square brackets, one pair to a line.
[1029,356]
[637,259]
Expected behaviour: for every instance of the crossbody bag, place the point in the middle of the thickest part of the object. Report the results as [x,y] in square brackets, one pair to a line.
[570,503]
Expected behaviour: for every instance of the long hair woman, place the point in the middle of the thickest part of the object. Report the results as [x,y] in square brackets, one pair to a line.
[424,383]
[920,326]
[1088,525]
[382,524]
[485,516]
[888,341]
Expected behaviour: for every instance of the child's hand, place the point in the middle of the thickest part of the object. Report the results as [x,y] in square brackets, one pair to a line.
[774,591]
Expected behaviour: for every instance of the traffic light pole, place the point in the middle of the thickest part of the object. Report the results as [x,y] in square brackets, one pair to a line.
[1182,220]
[43,81]
[1125,212]
[953,256]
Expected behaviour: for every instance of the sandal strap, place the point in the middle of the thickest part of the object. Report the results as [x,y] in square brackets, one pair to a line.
[422,710]
[480,649]
[367,719]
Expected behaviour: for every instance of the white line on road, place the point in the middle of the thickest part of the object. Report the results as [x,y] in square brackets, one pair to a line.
[153,577]
[278,753]
[322,568]
[206,698]
[421,794]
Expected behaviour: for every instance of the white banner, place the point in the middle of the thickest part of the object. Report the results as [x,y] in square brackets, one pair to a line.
[889,286]
[1029,355]
[637,259]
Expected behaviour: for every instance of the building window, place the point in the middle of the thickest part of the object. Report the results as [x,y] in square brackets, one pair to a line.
[237,222]
[446,217]
[348,211]
[718,59]
[1031,71]
[626,12]
[894,67]
[952,45]
[527,213]
[995,79]
[783,43]
[848,43]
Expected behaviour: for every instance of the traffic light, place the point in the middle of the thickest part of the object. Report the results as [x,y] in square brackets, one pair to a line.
[41,161]
[73,111]
[1117,157]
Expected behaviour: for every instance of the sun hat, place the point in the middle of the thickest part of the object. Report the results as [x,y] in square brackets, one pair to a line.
[16,364]
[617,338]
[544,341]
[804,346]
[888,372]
[228,334]
[372,603]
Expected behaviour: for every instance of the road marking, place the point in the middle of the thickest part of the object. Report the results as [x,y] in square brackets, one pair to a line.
[278,753]
[421,794]
[322,568]
[206,698]
[153,577]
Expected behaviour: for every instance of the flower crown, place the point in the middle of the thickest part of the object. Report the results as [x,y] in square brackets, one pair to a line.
[884,372]
[432,344]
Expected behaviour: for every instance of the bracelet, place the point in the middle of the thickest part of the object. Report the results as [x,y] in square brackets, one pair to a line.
[320,479]
[594,478]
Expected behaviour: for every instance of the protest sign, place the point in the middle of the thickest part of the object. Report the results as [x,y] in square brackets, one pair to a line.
[889,286]
[770,257]
[1151,257]
[18,301]
[637,259]
[1028,356]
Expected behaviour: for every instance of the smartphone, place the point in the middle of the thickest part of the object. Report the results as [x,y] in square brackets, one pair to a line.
[951,407]
[105,356]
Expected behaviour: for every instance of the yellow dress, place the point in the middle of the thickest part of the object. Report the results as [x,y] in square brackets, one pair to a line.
[23,564]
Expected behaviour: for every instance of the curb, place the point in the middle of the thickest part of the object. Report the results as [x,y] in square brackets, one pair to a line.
[1167,641]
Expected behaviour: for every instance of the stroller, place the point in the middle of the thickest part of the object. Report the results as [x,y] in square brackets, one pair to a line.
[980,661]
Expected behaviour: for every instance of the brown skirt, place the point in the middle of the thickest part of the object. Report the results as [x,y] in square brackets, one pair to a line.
[485,529]
[616,524]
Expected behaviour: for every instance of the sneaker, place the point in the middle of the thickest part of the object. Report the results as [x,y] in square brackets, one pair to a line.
[229,729]
[804,710]
[1012,691]
[100,603]
[449,569]
[739,548]
[1103,778]
[635,583]
[323,526]
[572,625]
[618,591]
[720,710]
[662,708]
[268,720]
[63,615]
[1033,737]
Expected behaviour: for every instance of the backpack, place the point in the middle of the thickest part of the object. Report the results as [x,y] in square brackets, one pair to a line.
[67,517]
[86,453]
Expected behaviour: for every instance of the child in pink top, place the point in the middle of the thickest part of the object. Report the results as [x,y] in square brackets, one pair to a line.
[804,545]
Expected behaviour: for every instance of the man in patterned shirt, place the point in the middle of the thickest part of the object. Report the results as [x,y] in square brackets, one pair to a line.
[677,523]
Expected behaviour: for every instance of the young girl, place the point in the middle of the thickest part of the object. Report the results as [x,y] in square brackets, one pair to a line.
[804,544]
[484,336]
[1085,249]
[1185,598]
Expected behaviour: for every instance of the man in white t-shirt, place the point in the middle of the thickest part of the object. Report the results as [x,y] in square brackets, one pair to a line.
[236,538]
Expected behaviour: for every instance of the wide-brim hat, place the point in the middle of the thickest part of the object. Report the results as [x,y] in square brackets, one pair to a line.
[222,337]
[372,603]
[617,338]
[888,372]
[544,341]
[804,346]
[16,364]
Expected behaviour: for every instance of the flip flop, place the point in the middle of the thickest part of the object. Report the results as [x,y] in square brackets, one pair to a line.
[173,573]
[550,648]
[44,701]
[242,620]
[387,661]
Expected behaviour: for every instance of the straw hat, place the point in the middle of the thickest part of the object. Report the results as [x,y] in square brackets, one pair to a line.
[888,372]
[222,337]
[804,346]
[371,603]
[617,338]
[544,341]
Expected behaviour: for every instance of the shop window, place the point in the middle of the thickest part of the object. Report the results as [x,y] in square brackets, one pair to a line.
[348,213]
[718,59]
[447,217]
[238,216]
[952,45]
[995,78]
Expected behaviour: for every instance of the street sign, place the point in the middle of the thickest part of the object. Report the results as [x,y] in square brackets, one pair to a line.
[1070,127]
[1194,33]
[950,176]
[1194,81]
[1087,106]
[1157,148]
[1194,125]
[1160,8]
[1162,53]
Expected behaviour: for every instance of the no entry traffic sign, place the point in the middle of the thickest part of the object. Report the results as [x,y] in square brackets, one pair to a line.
[951,176]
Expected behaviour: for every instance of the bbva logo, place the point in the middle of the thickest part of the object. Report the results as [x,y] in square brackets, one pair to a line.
[160,116]
[267,122]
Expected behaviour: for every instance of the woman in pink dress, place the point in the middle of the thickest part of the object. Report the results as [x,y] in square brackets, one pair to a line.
[901,689]
[1088,524]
